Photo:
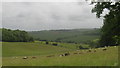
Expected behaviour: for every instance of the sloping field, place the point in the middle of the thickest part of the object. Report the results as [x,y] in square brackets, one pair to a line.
[29,49]
[14,52]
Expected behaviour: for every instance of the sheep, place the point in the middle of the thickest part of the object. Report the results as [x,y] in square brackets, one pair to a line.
[94,50]
[48,56]
[80,53]
[61,55]
[25,57]
[89,50]
[75,53]
[34,57]
[66,54]
[104,49]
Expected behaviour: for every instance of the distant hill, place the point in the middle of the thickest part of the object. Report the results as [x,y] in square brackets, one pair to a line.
[67,35]
[0,34]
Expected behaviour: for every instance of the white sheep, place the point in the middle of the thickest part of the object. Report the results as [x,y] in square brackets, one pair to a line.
[25,57]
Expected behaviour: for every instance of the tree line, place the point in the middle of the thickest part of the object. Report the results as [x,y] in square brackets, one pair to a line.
[9,35]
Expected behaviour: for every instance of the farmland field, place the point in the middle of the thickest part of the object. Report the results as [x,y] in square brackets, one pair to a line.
[13,52]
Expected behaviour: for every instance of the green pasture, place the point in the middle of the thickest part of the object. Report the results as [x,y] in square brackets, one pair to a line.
[13,52]
[29,48]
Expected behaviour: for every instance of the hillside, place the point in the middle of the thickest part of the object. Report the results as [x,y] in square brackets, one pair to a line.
[0,34]
[73,35]
[29,49]
[13,52]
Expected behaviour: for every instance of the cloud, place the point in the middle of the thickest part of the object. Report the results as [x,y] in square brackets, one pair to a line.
[0,15]
[48,15]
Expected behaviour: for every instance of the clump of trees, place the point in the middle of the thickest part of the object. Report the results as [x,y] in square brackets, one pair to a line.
[111,28]
[94,43]
[9,35]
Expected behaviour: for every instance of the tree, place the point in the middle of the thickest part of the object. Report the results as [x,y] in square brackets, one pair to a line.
[15,36]
[111,27]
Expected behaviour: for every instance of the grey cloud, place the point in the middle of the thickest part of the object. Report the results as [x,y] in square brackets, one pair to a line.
[46,15]
[0,15]
[56,16]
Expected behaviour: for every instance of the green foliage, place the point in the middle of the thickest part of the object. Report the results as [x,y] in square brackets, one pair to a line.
[110,29]
[94,43]
[15,36]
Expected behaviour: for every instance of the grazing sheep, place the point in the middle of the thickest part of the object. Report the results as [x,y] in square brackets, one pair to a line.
[80,53]
[34,57]
[75,53]
[25,57]
[104,49]
[115,46]
[61,55]
[89,50]
[95,50]
[66,54]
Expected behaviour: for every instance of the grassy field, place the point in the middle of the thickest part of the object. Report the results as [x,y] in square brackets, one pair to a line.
[29,48]
[0,53]
[74,35]
[13,52]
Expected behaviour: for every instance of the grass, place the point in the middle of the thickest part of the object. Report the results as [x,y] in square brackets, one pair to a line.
[0,53]
[29,48]
[21,49]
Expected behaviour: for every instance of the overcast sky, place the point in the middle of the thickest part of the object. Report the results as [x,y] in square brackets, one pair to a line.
[48,15]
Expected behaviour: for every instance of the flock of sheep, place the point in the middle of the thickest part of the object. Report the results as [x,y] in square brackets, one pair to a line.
[27,57]
[87,51]
[68,53]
